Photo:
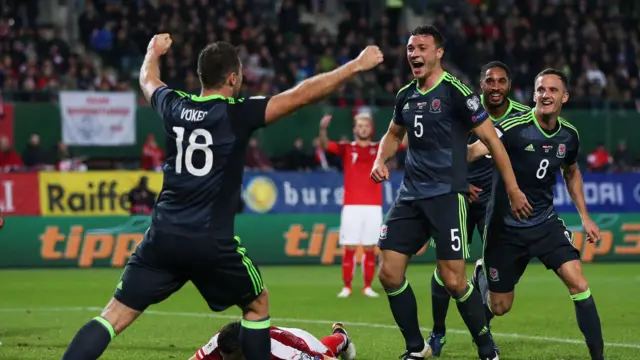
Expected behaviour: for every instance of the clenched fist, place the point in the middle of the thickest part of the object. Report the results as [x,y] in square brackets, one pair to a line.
[380,172]
[369,58]
[159,44]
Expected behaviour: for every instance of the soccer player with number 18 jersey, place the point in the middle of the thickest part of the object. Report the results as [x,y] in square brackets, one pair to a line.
[191,237]
[361,216]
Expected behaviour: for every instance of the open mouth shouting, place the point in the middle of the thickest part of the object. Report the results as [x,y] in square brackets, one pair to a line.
[417,67]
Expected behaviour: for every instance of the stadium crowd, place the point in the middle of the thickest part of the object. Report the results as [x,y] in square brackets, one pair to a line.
[595,43]
[592,41]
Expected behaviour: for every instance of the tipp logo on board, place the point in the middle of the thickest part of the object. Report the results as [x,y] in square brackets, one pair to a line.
[261,194]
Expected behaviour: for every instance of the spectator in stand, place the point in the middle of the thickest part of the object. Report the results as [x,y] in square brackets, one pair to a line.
[152,155]
[298,158]
[324,160]
[34,156]
[599,160]
[622,158]
[9,159]
[320,156]
[255,159]
[142,198]
[62,152]
[64,161]
[283,45]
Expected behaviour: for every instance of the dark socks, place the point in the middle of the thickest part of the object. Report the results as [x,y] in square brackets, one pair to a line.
[90,341]
[484,293]
[255,338]
[439,303]
[405,311]
[589,323]
[472,312]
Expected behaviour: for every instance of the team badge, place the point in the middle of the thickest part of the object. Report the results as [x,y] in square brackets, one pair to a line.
[435,106]
[383,232]
[562,151]
[473,103]
[493,274]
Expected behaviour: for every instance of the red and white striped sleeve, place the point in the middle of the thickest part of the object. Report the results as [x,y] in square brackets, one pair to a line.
[210,350]
[287,346]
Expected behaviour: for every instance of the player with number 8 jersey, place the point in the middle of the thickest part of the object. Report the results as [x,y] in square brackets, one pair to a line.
[541,145]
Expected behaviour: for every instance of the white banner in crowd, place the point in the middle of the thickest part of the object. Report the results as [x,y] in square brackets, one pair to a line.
[98,118]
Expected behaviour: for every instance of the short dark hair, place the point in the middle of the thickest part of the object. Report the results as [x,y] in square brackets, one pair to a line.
[563,77]
[229,338]
[429,30]
[215,62]
[494,64]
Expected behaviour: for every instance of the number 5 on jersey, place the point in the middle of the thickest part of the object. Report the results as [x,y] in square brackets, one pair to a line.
[418,129]
[193,146]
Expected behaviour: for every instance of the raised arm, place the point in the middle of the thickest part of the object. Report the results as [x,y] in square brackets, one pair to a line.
[319,86]
[150,71]
[322,134]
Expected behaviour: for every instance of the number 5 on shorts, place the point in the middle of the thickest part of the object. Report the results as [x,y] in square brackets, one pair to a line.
[455,240]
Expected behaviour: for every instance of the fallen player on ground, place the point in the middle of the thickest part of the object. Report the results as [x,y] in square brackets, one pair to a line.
[286,344]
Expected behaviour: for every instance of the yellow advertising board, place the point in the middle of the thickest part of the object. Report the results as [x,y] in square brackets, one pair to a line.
[92,193]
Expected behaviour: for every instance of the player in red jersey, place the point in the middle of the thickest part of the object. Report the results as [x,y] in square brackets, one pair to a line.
[361,216]
[286,344]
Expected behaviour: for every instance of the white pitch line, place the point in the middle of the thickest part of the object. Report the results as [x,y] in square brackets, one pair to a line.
[314,321]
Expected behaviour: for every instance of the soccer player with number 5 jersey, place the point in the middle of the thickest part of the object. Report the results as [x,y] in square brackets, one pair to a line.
[436,112]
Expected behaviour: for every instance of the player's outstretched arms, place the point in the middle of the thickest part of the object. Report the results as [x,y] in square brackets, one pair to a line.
[319,86]
[519,204]
[150,71]
[573,181]
[388,147]
[476,150]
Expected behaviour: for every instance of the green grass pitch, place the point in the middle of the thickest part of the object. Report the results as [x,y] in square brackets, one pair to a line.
[40,311]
